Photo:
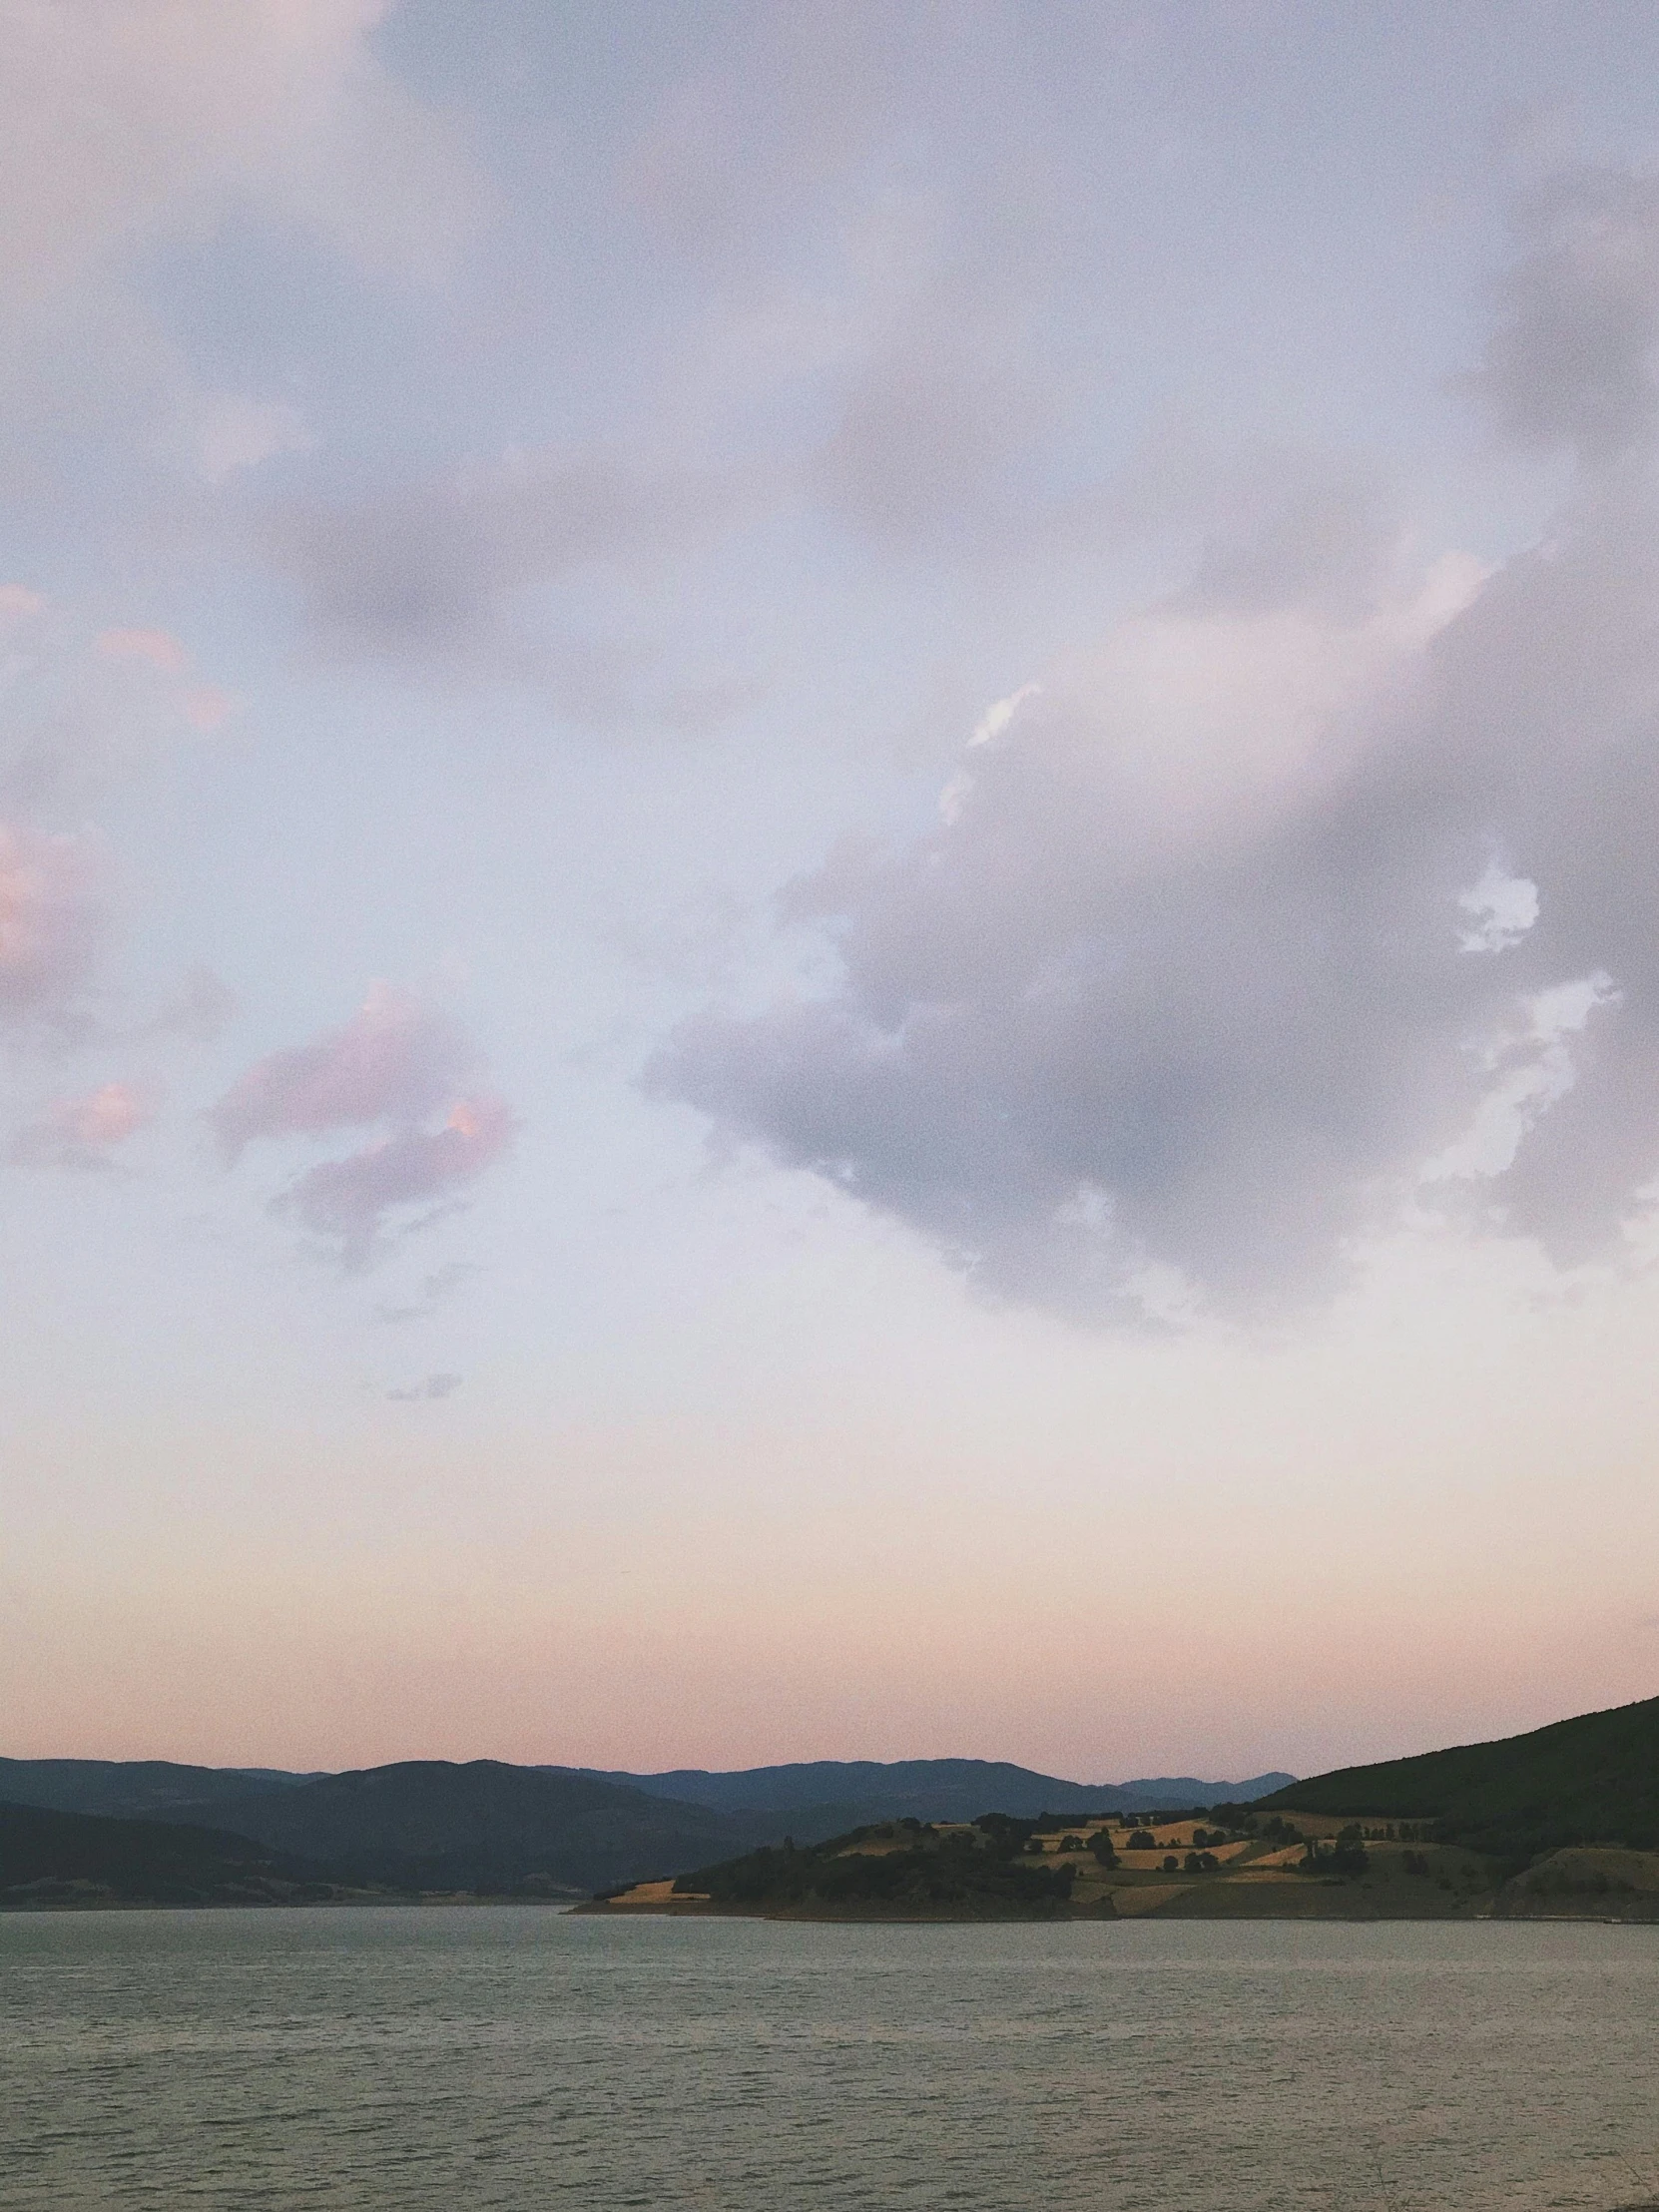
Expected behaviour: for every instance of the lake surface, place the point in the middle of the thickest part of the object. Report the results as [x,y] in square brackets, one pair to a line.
[485,2057]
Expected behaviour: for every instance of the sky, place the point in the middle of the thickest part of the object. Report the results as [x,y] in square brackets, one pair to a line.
[827,876]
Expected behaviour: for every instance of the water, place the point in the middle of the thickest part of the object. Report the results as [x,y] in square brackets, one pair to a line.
[473,2058]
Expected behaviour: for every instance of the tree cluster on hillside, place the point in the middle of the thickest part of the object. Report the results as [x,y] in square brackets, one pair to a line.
[1590,1780]
[917,1871]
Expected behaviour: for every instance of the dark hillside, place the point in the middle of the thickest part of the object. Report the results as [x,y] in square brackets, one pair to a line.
[83,1859]
[135,1789]
[829,1794]
[897,1869]
[486,1826]
[1594,1779]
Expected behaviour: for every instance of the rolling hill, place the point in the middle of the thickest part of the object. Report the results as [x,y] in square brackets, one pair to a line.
[430,1825]
[85,1859]
[1590,1780]
[829,1795]
[489,1827]
[135,1788]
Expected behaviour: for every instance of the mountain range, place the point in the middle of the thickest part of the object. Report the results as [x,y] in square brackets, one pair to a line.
[425,1824]
[485,1827]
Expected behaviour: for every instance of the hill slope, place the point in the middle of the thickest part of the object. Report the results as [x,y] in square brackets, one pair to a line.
[851,1792]
[485,1826]
[491,1826]
[892,1870]
[1593,1779]
[83,1859]
[135,1788]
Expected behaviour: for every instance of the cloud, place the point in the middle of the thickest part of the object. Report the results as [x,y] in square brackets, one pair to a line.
[129,120]
[131,127]
[1503,908]
[78,709]
[435,1386]
[1207,964]
[442,1283]
[436,574]
[349,1200]
[396,1064]
[158,649]
[205,707]
[1572,361]
[82,1133]
[199,1009]
[394,1060]
[53,923]
[238,433]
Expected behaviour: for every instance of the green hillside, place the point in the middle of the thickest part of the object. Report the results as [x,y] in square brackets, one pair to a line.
[1591,1780]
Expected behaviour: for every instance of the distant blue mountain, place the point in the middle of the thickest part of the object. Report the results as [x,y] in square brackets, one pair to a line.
[855,1790]
[428,1824]
[137,1789]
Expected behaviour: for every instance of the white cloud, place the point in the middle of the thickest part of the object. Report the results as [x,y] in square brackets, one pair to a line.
[1190,939]
[1504,908]
[1538,1070]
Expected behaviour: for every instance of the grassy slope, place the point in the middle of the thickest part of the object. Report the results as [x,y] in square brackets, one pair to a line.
[1587,1780]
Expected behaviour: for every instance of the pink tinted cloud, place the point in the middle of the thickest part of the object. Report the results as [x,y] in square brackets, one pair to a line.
[160,647]
[83,1132]
[351,1199]
[393,1061]
[18,603]
[51,921]
[207,708]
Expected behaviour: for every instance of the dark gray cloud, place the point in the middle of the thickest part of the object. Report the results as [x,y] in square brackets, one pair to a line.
[437,574]
[441,1283]
[1221,947]
[435,1386]
[1572,361]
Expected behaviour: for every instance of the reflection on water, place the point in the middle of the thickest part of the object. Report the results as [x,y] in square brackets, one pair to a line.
[489,2057]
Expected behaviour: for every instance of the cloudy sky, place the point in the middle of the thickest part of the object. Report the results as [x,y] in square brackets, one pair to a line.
[829,853]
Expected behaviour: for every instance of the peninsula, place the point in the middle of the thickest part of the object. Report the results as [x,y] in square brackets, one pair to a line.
[1560,1823]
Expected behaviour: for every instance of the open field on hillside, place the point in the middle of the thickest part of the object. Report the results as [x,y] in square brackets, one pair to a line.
[1175,1870]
